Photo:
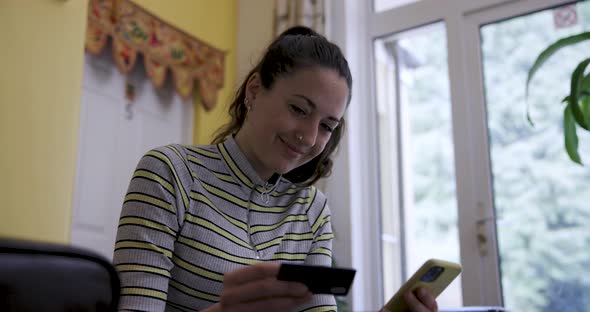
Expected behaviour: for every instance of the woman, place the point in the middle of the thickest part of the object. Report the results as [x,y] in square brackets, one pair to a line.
[205,227]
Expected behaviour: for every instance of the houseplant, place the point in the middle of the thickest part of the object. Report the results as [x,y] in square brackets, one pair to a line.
[577,103]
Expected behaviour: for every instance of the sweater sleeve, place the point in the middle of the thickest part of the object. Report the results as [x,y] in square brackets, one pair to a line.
[151,217]
[320,252]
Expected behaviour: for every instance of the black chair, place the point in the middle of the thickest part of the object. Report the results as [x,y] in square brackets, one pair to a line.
[49,277]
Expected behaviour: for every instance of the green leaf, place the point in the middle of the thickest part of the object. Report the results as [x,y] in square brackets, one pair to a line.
[584,98]
[585,105]
[576,87]
[545,55]
[571,137]
[585,87]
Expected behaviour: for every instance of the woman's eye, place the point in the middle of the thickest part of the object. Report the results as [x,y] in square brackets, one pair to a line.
[298,110]
[327,128]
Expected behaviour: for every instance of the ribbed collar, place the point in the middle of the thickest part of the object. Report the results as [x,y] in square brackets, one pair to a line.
[240,167]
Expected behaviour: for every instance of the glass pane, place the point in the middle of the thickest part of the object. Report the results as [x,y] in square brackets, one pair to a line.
[384,5]
[541,198]
[419,218]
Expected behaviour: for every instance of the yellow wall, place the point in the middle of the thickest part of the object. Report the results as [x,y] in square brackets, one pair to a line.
[255,30]
[40,81]
[213,21]
[40,88]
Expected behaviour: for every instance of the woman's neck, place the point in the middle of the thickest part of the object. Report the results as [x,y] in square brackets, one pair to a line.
[242,142]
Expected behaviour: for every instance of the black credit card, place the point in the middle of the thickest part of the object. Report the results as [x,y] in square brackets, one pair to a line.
[318,279]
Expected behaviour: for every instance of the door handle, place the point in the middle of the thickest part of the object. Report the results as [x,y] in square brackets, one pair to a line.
[482,239]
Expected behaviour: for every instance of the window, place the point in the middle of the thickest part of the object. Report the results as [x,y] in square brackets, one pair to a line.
[461,174]
[540,196]
[383,5]
[413,102]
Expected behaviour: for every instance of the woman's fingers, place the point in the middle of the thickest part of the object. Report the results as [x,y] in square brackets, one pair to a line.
[272,304]
[256,288]
[251,273]
[263,289]
[415,304]
[427,299]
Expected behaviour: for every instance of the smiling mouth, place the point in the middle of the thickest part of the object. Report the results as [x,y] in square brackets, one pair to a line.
[291,147]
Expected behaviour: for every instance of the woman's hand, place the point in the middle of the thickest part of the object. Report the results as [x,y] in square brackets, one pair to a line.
[256,288]
[421,300]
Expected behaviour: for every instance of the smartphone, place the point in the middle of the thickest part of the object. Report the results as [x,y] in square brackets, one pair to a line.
[434,274]
[318,279]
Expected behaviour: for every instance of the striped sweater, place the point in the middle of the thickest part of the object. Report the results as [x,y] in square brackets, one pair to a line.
[193,213]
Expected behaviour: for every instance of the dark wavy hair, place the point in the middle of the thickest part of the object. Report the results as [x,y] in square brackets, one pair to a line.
[296,48]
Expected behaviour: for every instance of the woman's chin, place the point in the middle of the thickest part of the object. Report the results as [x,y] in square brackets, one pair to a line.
[284,168]
[283,171]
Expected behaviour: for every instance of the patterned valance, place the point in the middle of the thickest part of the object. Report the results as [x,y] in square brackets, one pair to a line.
[134,30]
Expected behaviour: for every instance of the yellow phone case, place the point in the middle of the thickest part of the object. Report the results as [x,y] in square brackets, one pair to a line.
[450,272]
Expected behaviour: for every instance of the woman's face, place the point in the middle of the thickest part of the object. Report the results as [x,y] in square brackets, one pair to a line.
[291,123]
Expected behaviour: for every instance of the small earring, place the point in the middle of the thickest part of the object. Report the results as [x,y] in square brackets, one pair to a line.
[246,104]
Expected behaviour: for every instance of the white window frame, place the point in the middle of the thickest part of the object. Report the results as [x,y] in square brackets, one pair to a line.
[353,189]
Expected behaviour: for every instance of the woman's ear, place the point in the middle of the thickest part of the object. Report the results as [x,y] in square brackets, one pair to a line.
[253,87]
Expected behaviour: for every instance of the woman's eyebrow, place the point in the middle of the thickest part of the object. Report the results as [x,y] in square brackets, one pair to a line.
[313,106]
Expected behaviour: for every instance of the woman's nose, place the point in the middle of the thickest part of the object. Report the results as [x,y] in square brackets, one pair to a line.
[308,134]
